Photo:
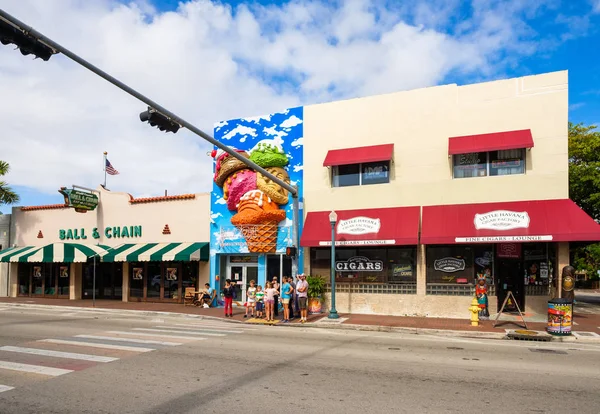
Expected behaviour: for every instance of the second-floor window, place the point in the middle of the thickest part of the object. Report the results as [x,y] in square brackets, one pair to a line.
[483,164]
[361,174]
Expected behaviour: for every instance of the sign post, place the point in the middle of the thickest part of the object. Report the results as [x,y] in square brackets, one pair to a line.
[81,201]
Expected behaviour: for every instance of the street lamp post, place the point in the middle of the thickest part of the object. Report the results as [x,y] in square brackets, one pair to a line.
[333,219]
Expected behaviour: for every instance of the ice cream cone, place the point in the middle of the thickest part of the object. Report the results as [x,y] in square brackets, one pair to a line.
[257,220]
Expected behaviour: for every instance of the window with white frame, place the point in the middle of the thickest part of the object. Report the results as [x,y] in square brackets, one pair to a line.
[483,164]
[361,174]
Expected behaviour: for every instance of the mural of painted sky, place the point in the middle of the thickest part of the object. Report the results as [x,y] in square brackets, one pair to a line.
[249,213]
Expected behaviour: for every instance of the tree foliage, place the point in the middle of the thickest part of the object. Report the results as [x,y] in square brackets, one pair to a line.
[584,186]
[584,168]
[7,195]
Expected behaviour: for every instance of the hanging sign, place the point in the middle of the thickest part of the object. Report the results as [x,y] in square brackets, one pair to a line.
[81,201]
[359,264]
[508,250]
[449,265]
[501,220]
[358,226]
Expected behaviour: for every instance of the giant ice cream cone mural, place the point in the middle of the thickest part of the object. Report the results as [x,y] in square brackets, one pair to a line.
[251,213]
[254,196]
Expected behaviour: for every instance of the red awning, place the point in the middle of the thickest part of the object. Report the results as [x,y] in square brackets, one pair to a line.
[521,221]
[490,142]
[359,155]
[370,227]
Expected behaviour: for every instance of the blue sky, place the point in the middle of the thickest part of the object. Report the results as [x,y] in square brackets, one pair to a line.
[209,61]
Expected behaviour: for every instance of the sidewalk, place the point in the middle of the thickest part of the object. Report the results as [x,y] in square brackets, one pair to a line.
[445,326]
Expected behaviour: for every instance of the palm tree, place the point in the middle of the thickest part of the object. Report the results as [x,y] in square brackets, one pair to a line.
[7,195]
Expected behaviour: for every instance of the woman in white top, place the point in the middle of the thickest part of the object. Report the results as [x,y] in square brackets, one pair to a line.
[251,298]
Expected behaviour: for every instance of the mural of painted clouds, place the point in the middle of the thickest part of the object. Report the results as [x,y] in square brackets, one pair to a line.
[249,212]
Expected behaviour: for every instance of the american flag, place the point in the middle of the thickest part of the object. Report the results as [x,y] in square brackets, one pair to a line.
[110,169]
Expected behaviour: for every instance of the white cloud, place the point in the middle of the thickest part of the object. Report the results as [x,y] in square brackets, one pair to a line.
[298,142]
[292,121]
[207,62]
[240,130]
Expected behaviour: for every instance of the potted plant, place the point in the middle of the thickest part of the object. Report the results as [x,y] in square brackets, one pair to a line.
[316,289]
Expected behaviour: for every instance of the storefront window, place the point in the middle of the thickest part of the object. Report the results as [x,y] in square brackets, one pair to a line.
[450,270]
[64,274]
[368,265]
[50,280]
[375,173]
[137,275]
[154,279]
[470,165]
[37,287]
[171,281]
[189,276]
[24,277]
[346,175]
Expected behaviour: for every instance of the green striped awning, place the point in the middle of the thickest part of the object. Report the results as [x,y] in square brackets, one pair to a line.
[14,253]
[53,253]
[157,252]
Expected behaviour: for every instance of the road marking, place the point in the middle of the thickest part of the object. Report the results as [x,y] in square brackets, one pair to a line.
[97,345]
[5,388]
[132,340]
[216,325]
[199,329]
[178,332]
[155,335]
[58,354]
[36,369]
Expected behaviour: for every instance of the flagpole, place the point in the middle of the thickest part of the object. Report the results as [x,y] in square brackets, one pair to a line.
[105,154]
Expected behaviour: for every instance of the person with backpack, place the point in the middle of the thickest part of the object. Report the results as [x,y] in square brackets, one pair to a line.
[228,294]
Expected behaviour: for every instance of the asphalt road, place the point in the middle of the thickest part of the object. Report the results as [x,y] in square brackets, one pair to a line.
[183,365]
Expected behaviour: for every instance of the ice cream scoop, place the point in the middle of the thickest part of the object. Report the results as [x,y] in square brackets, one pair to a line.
[238,184]
[267,155]
[276,192]
[226,165]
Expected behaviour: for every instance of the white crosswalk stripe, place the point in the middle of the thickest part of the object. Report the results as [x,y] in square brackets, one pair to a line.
[216,325]
[5,388]
[179,332]
[201,329]
[154,335]
[98,345]
[36,369]
[132,340]
[57,354]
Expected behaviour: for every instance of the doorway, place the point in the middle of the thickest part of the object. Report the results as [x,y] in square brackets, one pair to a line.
[510,278]
[241,276]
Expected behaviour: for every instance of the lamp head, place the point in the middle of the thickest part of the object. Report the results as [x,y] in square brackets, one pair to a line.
[333,217]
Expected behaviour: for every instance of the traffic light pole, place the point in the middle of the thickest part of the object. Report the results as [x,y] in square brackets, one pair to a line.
[40,37]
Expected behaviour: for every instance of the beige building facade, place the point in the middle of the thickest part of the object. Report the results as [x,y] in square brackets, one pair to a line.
[136,249]
[436,188]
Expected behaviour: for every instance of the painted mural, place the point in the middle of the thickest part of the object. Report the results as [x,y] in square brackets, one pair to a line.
[249,212]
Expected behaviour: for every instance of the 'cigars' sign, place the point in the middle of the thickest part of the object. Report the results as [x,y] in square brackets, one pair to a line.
[359,264]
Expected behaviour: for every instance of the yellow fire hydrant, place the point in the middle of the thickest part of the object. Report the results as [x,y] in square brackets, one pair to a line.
[474,309]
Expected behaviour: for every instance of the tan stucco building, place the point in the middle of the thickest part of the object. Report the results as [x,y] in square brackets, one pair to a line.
[449,167]
[144,248]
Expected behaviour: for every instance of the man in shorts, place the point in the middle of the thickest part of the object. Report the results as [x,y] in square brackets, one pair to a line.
[302,291]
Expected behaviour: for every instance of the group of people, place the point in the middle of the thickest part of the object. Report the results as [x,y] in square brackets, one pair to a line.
[264,303]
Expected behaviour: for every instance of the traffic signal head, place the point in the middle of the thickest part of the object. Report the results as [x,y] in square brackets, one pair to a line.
[28,45]
[156,119]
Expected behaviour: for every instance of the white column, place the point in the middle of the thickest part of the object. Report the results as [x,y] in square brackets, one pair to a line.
[421,270]
[125,282]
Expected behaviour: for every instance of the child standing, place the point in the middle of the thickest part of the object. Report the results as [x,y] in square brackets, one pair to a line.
[251,300]
[270,294]
[260,295]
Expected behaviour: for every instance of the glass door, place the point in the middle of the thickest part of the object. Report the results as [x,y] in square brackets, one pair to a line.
[171,281]
[237,276]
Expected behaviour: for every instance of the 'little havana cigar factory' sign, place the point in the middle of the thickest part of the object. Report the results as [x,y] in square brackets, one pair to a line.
[119,232]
